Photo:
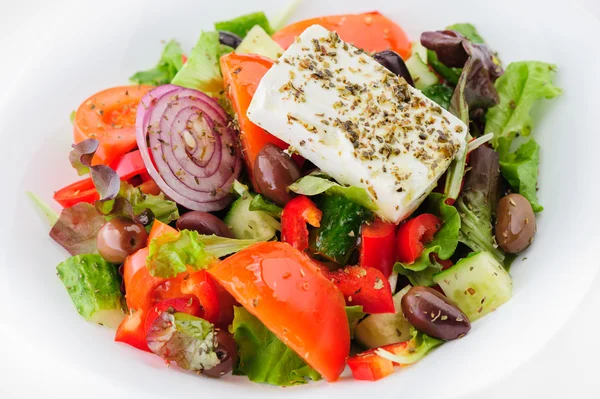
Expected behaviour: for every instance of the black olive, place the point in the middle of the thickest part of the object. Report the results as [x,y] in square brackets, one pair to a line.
[203,223]
[119,238]
[274,171]
[229,39]
[226,351]
[395,64]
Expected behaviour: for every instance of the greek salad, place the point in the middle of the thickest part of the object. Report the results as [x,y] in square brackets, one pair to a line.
[284,201]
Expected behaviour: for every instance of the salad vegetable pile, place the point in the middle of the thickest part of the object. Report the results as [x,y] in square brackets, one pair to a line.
[284,201]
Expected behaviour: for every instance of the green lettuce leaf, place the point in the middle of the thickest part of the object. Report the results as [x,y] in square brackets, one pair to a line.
[202,70]
[259,203]
[467,30]
[184,339]
[417,347]
[522,85]
[263,357]
[50,214]
[314,185]
[170,254]
[169,64]
[242,24]
[163,209]
[520,169]
[354,314]
[443,244]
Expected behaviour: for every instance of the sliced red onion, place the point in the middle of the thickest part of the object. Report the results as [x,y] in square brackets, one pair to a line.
[195,153]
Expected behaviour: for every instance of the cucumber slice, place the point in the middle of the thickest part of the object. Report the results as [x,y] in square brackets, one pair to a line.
[420,72]
[420,50]
[384,329]
[478,284]
[257,41]
[94,287]
[247,224]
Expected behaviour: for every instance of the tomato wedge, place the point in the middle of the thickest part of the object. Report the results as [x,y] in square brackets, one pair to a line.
[369,31]
[285,290]
[242,74]
[413,234]
[109,116]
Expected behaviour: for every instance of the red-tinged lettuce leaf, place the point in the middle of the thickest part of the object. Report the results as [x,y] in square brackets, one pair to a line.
[454,50]
[77,228]
[105,179]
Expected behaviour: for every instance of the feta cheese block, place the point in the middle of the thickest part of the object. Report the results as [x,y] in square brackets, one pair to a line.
[359,123]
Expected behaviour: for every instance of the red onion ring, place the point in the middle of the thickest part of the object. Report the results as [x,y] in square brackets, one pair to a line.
[195,153]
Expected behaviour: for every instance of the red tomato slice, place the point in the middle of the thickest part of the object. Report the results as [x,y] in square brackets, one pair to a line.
[285,290]
[109,116]
[364,286]
[185,304]
[378,246]
[413,234]
[204,288]
[242,74]
[369,31]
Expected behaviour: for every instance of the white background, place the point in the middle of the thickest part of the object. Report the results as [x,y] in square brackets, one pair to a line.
[567,367]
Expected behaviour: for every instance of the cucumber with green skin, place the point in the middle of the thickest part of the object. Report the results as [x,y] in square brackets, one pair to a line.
[336,238]
[477,284]
[94,287]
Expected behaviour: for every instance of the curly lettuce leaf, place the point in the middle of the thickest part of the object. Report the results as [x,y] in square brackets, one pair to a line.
[202,70]
[77,228]
[522,85]
[106,180]
[184,339]
[263,357]
[443,244]
[520,169]
[171,254]
[478,200]
[242,24]
[163,209]
[169,64]
[314,185]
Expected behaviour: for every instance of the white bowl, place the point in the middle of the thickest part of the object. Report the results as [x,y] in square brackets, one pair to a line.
[93,47]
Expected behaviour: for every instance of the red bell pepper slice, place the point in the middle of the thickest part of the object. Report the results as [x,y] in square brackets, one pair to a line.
[129,165]
[368,366]
[186,304]
[295,215]
[81,191]
[378,246]
[132,331]
[126,166]
[363,286]
[413,234]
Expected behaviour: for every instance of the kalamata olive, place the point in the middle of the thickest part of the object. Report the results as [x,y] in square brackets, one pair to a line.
[395,64]
[433,314]
[203,223]
[274,171]
[515,223]
[226,351]
[119,238]
[229,39]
